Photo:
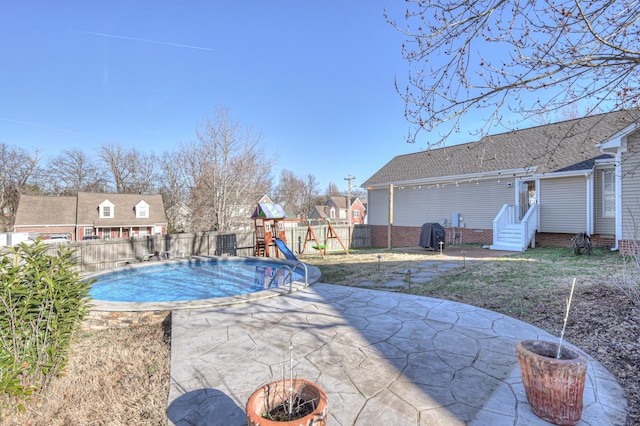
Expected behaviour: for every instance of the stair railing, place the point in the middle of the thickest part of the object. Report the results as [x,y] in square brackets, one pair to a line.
[506,216]
[289,275]
[529,225]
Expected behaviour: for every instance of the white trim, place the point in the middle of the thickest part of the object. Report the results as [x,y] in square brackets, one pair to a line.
[112,210]
[503,174]
[604,172]
[590,205]
[618,183]
[139,210]
[571,173]
[618,140]
[606,161]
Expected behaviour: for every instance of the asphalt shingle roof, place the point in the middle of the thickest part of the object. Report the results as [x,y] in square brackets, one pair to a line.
[564,146]
[45,210]
[41,210]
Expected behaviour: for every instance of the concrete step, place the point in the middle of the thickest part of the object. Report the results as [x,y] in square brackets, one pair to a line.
[506,247]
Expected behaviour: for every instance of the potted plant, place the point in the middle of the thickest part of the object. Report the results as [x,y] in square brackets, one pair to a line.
[288,402]
[553,376]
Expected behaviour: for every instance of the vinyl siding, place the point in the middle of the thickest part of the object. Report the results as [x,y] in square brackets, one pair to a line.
[631,188]
[378,207]
[563,204]
[477,203]
[603,225]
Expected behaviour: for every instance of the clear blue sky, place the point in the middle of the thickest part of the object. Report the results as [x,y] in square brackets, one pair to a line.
[314,78]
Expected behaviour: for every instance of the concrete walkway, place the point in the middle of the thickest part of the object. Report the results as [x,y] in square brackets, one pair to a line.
[383,358]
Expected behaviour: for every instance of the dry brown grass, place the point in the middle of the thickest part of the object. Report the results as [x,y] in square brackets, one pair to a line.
[114,377]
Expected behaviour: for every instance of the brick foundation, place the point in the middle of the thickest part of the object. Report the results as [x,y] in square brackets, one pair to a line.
[409,236]
[629,248]
[566,240]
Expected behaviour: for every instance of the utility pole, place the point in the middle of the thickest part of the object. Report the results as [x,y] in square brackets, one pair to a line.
[350,179]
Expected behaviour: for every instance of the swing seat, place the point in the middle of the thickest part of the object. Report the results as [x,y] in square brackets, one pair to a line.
[322,247]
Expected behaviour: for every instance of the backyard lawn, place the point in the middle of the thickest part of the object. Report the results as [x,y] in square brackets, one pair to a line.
[121,377]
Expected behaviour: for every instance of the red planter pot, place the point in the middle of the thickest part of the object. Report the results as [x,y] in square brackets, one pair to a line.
[275,393]
[554,387]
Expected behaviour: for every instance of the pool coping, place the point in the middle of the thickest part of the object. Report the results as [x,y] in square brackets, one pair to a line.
[313,276]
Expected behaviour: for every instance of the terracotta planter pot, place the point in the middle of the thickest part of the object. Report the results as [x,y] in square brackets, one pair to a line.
[275,393]
[554,387]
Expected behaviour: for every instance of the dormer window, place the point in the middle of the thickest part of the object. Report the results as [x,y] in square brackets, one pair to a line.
[142,210]
[106,209]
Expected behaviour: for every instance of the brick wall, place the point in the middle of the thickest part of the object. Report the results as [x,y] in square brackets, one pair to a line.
[409,236]
[629,248]
[566,240]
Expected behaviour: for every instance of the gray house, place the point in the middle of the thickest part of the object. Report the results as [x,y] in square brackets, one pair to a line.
[543,184]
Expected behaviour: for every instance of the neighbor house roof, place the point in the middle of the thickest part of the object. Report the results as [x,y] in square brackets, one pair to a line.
[320,212]
[339,202]
[125,214]
[564,146]
[44,210]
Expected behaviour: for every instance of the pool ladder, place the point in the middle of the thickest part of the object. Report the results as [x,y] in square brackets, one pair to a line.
[290,275]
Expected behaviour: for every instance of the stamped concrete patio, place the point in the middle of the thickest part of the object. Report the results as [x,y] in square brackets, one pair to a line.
[383,358]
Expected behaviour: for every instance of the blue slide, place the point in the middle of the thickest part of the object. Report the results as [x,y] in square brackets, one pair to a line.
[284,249]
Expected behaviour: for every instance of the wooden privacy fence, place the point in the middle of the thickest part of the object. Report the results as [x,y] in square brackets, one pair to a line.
[97,255]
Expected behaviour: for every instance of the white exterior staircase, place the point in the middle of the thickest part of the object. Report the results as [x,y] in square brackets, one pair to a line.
[511,234]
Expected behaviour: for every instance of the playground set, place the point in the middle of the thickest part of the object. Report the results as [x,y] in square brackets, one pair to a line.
[269,220]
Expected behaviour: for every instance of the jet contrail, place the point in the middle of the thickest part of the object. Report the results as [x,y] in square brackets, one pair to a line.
[44,126]
[166,43]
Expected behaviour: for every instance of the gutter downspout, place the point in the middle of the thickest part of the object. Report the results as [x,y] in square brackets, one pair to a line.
[618,199]
[590,202]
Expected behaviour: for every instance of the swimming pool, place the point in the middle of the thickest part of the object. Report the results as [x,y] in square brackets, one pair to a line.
[195,279]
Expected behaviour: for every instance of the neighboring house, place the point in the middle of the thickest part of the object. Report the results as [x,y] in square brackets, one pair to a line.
[336,209]
[180,218]
[543,184]
[91,214]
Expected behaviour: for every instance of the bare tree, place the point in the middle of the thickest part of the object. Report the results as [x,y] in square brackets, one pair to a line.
[296,193]
[466,55]
[332,190]
[311,196]
[131,171]
[73,171]
[227,171]
[16,167]
[174,190]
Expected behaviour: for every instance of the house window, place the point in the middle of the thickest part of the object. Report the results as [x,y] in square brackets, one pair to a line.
[106,209]
[356,213]
[608,194]
[142,210]
[88,232]
[332,213]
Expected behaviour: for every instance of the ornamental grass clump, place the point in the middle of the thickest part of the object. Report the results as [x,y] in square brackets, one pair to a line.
[42,302]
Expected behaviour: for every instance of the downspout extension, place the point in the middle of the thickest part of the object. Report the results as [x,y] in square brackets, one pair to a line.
[618,199]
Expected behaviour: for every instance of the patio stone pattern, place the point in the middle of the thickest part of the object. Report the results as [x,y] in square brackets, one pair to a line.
[383,358]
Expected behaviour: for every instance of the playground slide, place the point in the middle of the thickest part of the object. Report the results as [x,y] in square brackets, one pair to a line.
[285,250]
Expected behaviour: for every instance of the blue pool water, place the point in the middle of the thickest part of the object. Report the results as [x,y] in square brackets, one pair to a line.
[194,280]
